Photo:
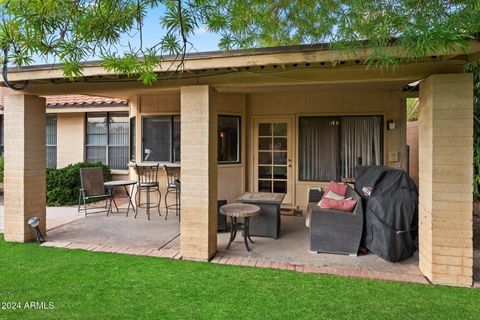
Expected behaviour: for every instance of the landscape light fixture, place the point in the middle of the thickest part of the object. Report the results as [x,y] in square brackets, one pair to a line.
[34,222]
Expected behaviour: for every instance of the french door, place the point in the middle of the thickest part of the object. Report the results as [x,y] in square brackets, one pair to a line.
[273,161]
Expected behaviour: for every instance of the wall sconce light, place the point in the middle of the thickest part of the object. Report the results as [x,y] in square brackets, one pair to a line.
[390,125]
[34,222]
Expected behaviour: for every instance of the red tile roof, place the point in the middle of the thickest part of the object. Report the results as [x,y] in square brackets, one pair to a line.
[71,100]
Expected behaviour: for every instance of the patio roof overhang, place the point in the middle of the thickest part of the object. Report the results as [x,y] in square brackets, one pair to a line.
[240,70]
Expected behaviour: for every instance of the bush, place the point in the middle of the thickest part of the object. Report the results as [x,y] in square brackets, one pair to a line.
[63,185]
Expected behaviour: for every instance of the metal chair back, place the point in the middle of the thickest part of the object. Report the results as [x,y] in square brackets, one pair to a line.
[173,174]
[147,174]
[91,180]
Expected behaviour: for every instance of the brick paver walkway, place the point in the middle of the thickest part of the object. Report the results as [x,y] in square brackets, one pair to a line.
[239,261]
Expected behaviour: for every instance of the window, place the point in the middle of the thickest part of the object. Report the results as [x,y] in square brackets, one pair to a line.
[107,138]
[132,139]
[51,140]
[228,139]
[331,147]
[161,138]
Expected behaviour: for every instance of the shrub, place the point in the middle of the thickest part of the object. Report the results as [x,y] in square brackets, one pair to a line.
[63,185]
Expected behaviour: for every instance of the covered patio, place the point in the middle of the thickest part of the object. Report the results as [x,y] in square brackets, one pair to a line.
[284,86]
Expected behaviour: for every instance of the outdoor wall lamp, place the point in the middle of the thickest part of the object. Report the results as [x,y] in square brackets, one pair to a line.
[390,124]
[34,222]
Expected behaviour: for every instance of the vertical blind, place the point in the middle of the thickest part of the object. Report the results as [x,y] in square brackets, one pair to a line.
[318,149]
[107,139]
[331,147]
[361,143]
[51,140]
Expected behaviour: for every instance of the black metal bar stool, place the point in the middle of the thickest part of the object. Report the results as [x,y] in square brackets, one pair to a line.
[173,185]
[148,182]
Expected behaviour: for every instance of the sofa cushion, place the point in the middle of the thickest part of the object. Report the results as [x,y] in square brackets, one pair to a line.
[338,187]
[332,195]
[341,205]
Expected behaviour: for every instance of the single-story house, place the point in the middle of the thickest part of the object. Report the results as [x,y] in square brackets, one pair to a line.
[281,119]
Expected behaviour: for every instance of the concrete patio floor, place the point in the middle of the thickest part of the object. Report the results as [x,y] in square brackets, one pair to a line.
[119,230]
[159,237]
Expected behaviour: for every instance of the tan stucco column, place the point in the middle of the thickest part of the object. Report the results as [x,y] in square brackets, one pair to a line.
[199,173]
[445,178]
[24,165]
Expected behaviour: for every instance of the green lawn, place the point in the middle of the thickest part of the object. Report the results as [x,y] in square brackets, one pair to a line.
[86,285]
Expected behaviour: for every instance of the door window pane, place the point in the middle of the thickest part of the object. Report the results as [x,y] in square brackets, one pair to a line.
[264,185]
[280,186]
[265,129]
[280,144]
[265,172]
[280,129]
[265,144]
[280,157]
[265,157]
[280,172]
[228,139]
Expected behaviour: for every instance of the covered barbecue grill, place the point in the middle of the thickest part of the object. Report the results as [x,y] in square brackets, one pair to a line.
[391,211]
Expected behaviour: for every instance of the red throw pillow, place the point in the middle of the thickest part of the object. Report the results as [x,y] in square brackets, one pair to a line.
[341,205]
[338,188]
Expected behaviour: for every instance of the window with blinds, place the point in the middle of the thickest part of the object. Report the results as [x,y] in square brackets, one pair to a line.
[107,139]
[331,147]
[51,140]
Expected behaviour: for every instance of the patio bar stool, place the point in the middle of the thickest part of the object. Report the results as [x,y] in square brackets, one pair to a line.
[147,183]
[173,186]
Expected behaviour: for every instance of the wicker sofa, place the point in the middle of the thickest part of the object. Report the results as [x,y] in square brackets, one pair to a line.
[334,231]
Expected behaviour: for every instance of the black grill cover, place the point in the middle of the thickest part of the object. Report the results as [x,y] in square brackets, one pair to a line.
[391,211]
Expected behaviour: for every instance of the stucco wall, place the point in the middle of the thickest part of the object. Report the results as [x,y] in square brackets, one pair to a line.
[70,138]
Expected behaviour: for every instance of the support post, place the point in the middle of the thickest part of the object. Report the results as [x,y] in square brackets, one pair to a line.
[199,173]
[445,179]
[24,177]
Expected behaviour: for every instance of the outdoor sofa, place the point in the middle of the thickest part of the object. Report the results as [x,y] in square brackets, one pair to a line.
[334,231]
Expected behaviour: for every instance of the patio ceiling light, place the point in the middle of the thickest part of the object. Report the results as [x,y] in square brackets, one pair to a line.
[34,222]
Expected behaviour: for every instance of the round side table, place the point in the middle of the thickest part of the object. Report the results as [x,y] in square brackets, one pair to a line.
[240,210]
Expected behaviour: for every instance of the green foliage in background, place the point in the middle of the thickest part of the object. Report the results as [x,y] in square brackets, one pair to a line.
[475,69]
[63,185]
[412,109]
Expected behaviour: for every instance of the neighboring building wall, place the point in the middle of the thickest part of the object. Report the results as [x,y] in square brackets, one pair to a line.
[369,101]
[412,142]
[70,138]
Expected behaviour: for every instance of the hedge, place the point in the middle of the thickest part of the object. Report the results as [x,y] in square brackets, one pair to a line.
[63,185]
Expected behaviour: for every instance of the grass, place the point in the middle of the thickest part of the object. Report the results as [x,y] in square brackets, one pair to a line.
[87,285]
